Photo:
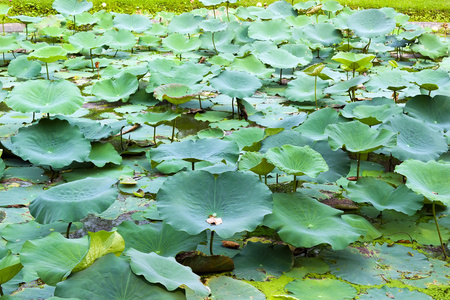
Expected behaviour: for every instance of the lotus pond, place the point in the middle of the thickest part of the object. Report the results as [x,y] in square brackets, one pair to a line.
[288,152]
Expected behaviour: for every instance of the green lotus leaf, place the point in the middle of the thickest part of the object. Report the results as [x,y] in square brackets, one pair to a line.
[315,70]
[149,40]
[194,151]
[116,89]
[299,50]
[357,137]
[272,30]
[88,40]
[371,112]
[302,88]
[9,267]
[280,58]
[54,256]
[430,45]
[432,80]
[224,287]
[294,160]
[315,124]
[175,93]
[101,243]
[323,33]
[255,162]
[48,54]
[22,68]
[434,110]
[383,196]
[246,138]
[110,277]
[345,86]
[211,133]
[51,142]
[76,63]
[305,265]
[395,80]
[159,238]
[257,261]
[165,270]
[86,18]
[415,140]
[91,129]
[8,43]
[236,84]
[2,165]
[153,119]
[186,23]
[178,43]
[71,7]
[398,293]
[428,179]
[213,25]
[332,6]
[370,23]
[121,39]
[44,96]
[303,222]
[359,222]
[103,153]
[200,195]
[71,202]
[4,8]
[325,288]
[136,23]
[354,61]
[211,2]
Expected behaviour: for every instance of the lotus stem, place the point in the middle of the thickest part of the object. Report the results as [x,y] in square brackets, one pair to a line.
[116,53]
[214,12]
[318,53]
[214,44]
[260,177]
[439,232]
[174,124]
[74,24]
[92,61]
[228,15]
[53,174]
[68,229]
[193,165]
[277,179]
[232,108]
[46,67]
[3,25]
[366,48]
[211,242]
[200,102]
[315,91]
[265,179]
[1,291]
[358,155]
[350,95]
[281,76]
[26,31]
[295,184]
[34,115]
[154,135]
[3,57]
[121,137]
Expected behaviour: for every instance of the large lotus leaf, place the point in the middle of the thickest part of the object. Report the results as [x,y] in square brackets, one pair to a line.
[186,23]
[359,222]
[91,129]
[433,80]
[199,195]
[255,162]
[280,58]
[179,44]
[73,201]
[213,25]
[165,270]
[175,93]
[325,288]
[299,50]
[193,151]
[345,86]
[304,222]
[303,89]
[48,54]
[429,179]
[159,238]
[236,84]
[44,96]
[23,68]
[315,124]
[354,61]
[385,293]
[71,7]
[358,137]
[225,287]
[259,260]
[246,138]
[116,89]
[136,23]
[149,40]
[383,196]
[430,45]
[415,140]
[103,153]
[285,137]
[153,119]
[8,43]
[272,30]
[252,65]
[395,80]
[51,142]
[363,265]
[295,160]
[434,111]
[121,39]
[110,277]
[9,267]
[371,112]
[88,40]
[101,243]
[54,256]
[370,23]
[323,33]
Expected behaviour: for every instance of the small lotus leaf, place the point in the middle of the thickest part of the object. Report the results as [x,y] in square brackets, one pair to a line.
[370,23]
[246,138]
[54,256]
[136,23]
[116,89]
[9,267]
[325,288]
[48,54]
[236,84]
[213,25]
[345,86]
[51,142]
[23,68]
[121,39]
[429,179]
[357,137]
[179,44]
[354,61]
[252,65]
[296,160]
[153,119]
[110,277]
[165,270]
[44,96]
[175,93]
[88,40]
[73,201]
[304,222]
[201,195]
[159,238]
[103,153]
[315,124]
[71,7]
[255,162]
[303,89]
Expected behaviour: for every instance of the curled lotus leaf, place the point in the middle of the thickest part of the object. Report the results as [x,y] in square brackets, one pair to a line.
[354,61]
[370,23]
[255,162]
[44,96]
[53,143]
[175,93]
